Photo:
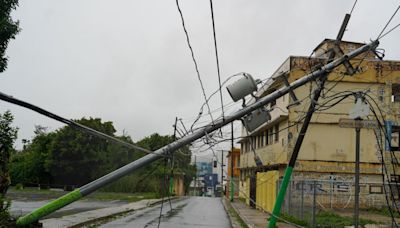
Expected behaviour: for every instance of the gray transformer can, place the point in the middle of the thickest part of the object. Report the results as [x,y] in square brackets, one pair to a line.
[242,87]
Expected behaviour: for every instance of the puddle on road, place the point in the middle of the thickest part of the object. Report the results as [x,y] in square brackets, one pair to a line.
[174,211]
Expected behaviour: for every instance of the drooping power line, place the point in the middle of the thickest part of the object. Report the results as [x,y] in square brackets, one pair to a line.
[194,60]
[384,28]
[71,123]
[216,56]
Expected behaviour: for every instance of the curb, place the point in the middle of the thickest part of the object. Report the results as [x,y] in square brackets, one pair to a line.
[223,200]
[234,223]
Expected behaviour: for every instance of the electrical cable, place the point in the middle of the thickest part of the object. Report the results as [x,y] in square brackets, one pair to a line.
[354,5]
[216,56]
[384,172]
[208,99]
[382,129]
[11,99]
[194,60]
[384,28]
[230,104]
[162,194]
[390,31]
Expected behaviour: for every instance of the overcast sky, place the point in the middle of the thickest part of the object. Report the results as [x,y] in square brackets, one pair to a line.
[127,61]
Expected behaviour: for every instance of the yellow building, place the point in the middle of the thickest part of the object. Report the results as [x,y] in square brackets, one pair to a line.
[328,151]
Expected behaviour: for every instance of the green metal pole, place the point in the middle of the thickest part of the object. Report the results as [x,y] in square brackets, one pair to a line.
[317,92]
[50,207]
[281,196]
[288,172]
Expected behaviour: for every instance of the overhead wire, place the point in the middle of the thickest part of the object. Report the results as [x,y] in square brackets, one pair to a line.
[385,169]
[386,137]
[217,59]
[384,28]
[194,61]
[391,30]
[352,8]
[68,122]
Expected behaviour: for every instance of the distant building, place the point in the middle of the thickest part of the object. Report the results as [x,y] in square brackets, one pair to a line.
[233,157]
[210,184]
[203,168]
[176,185]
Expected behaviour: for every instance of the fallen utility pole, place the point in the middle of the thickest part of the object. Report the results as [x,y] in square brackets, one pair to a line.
[149,158]
[311,109]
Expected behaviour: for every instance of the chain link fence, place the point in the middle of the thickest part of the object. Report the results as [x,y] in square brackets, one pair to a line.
[306,198]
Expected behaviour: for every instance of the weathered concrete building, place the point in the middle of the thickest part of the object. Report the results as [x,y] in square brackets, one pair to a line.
[328,151]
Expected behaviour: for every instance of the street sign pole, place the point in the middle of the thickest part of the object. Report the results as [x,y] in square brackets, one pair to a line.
[357,179]
[357,124]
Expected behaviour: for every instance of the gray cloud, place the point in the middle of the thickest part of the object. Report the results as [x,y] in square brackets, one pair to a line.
[128,61]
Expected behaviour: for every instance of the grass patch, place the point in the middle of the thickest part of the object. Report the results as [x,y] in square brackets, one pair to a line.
[383,211]
[233,214]
[101,196]
[327,219]
[294,220]
[34,190]
[129,197]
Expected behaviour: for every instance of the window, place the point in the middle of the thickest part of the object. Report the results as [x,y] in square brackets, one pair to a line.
[395,92]
[262,139]
[395,138]
[375,189]
[381,94]
[271,136]
[277,133]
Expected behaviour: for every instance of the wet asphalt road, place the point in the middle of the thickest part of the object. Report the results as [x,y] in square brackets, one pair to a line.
[187,212]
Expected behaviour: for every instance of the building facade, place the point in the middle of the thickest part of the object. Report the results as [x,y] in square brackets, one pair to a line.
[328,151]
[233,158]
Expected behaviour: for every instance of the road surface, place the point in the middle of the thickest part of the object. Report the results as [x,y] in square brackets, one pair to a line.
[186,212]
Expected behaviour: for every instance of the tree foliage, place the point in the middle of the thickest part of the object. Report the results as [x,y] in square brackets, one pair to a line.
[8,29]
[31,166]
[8,135]
[69,157]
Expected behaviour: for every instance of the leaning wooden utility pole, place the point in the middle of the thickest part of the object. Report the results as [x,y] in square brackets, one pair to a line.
[317,92]
[179,143]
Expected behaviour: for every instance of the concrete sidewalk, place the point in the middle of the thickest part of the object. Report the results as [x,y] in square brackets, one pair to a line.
[252,217]
[85,218]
